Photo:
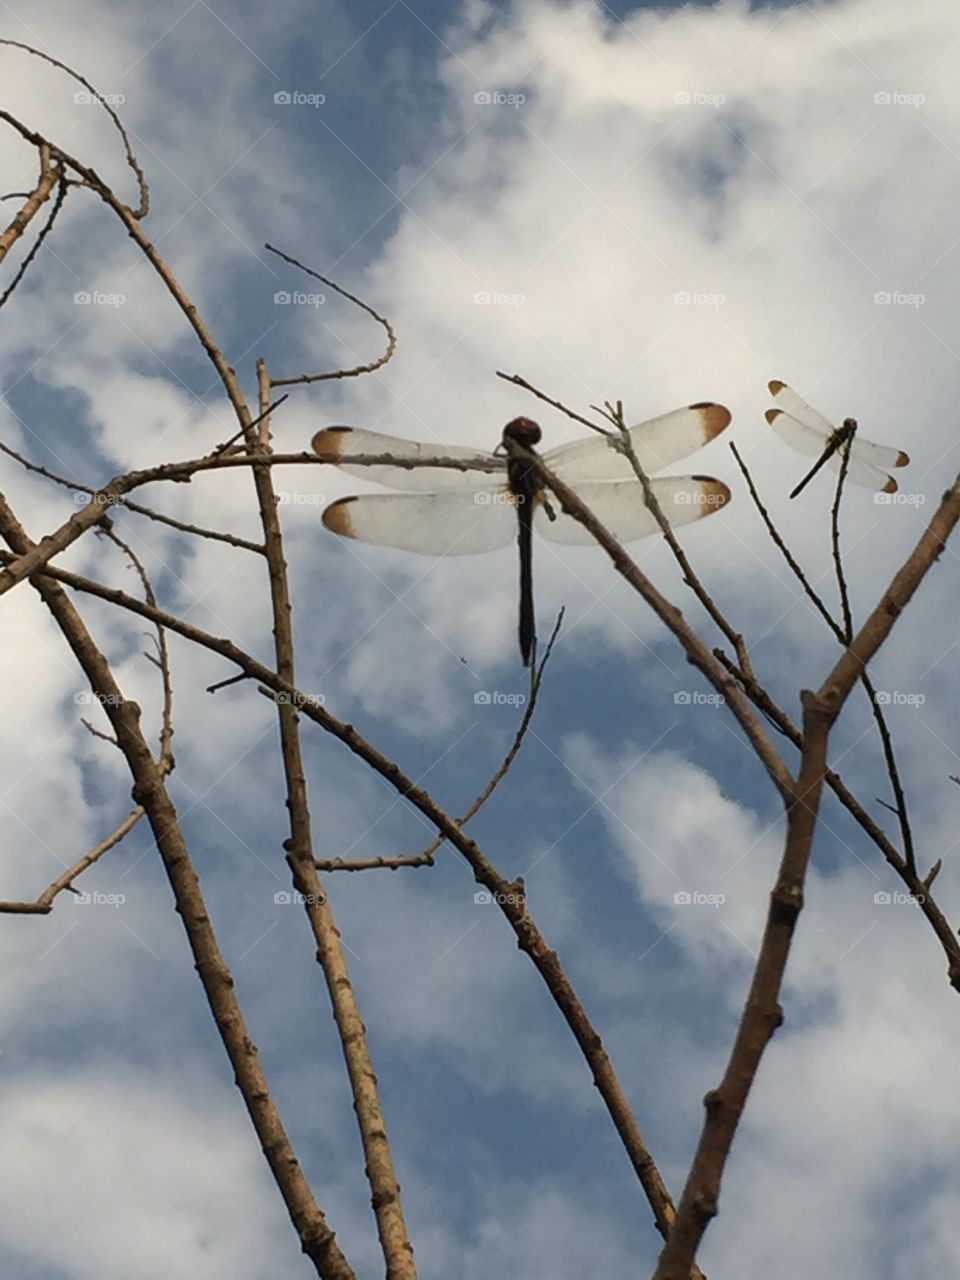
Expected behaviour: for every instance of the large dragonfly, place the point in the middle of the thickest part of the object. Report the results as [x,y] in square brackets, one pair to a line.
[489,500]
[809,432]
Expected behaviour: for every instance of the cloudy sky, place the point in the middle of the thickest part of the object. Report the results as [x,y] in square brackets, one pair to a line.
[650,203]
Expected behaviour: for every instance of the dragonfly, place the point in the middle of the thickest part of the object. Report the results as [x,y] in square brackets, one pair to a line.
[807,431]
[484,501]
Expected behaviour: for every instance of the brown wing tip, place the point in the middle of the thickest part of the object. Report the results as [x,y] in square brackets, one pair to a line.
[771,415]
[337,517]
[890,486]
[714,494]
[330,443]
[714,418]
[775,387]
[903,459]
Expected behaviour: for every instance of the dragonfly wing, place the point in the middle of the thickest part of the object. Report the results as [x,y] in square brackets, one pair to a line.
[432,524]
[336,445]
[619,505]
[798,435]
[878,455]
[657,443]
[788,400]
[862,472]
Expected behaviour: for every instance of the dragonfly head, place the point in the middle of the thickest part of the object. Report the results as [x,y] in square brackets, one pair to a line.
[524,431]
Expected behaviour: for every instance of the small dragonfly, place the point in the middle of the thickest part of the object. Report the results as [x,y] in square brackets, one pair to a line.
[809,432]
[490,500]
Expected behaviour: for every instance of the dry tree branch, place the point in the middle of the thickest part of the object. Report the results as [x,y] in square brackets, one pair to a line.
[44,903]
[162,660]
[304,378]
[32,205]
[214,535]
[34,250]
[20,567]
[843,635]
[150,792]
[690,578]
[842,590]
[762,1013]
[384,1186]
[508,895]
[919,888]
[142,211]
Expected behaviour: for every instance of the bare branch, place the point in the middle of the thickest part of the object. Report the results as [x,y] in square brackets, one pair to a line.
[304,378]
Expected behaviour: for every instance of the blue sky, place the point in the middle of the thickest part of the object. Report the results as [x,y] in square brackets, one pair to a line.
[795,164]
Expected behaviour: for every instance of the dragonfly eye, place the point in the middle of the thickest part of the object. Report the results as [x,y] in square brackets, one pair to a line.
[524,430]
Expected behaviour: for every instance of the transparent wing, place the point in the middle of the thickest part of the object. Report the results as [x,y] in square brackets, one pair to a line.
[798,435]
[788,400]
[619,505]
[336,445]
[863,469]
[657,443]
[432,524]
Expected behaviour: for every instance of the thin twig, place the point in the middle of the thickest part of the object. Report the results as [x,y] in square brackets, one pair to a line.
[144,190]
[426,859]
[364,306]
